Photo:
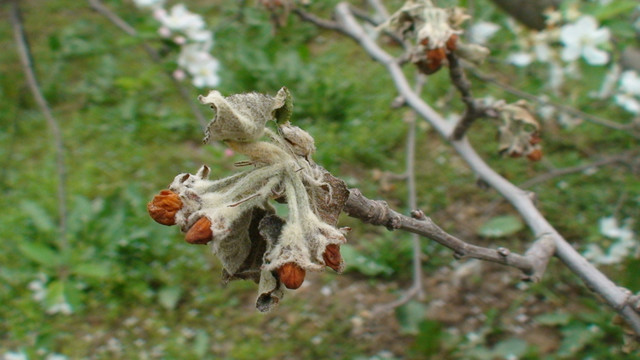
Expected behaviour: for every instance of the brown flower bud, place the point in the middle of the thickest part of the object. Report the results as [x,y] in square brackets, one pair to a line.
[291,275]
[200,232]
[164,206]
[535,155]
[435,57]
[332,257]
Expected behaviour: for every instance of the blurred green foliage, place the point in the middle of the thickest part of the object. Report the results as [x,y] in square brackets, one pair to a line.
[136,290]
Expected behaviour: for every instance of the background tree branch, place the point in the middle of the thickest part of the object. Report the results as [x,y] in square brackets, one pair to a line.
[32,81]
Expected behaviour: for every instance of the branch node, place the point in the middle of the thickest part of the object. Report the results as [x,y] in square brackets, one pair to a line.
[504,251]
[418,215]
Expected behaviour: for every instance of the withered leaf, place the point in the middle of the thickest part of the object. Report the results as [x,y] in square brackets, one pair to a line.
[250,268]
[329,200]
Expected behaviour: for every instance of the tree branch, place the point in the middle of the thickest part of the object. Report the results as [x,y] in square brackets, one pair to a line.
[620,158]
[32,81]
[474,109]
[377,212]
[593,278]
[99,7]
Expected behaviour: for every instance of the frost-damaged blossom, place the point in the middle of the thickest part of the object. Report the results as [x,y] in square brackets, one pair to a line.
[623,246]
[582,39]
[188,31]
[519,133]
[629,92]
[233,215]
[435,32]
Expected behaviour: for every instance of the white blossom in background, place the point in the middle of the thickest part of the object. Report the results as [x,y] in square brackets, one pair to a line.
[54,356]
[608,87]
[149,4]
[582,38]
[629,92]
[520,59]
[61,307]
[11,355]
[481,32]
[541,48]
[621,248]
[180,19]
[533,46]
[38,287]
[556,75]
[187,30]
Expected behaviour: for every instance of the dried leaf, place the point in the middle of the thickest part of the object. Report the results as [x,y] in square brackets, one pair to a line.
[519,131]
[241,117]
[250,268]
[329,200]
[269,292]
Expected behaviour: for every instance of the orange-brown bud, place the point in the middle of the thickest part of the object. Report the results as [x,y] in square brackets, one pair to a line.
[435,57]
[332,257]
[291,275]
[200,232]
[452,43]
[535,155]
[164,206]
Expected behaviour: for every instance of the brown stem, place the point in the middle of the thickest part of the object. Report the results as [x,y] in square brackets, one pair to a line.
[379,213]
[620,158]
[462,83]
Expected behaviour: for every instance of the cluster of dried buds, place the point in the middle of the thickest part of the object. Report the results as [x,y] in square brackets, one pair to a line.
[519,133]
[435,32]
[234,215]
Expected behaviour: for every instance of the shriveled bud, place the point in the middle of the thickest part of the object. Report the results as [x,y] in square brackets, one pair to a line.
[164,206]
[332,257]
[535,155]
[200,232]
[291,275]
[435,57]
